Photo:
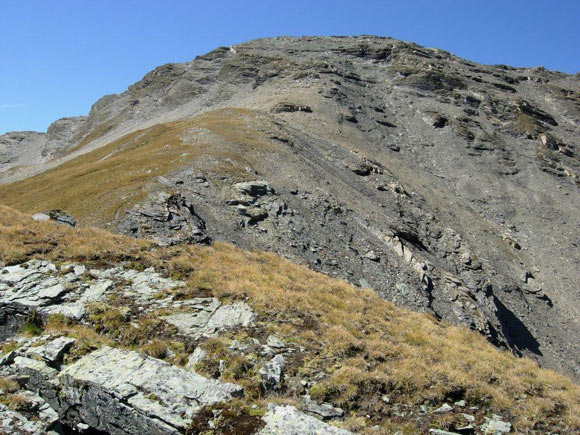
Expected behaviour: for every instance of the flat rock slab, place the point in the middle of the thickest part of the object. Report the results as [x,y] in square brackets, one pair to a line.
[207,317]
[287,420]
[113,388]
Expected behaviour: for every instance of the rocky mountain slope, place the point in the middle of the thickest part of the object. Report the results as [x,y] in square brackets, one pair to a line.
[25,148]
[106,334]
[447,186]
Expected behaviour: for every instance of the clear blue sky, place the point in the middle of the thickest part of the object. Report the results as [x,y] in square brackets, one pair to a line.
[57,57]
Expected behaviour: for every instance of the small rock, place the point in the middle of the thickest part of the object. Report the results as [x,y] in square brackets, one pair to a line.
[495,425]
[371,255]
[287,420]
[443,409]
[197,356]
[275,342]
[442,432]
[548,141]
[465,258]
[53,351]
[40,217]
[325,410]
[7,359]
[235,345]
[460,403]
[364,283]
[83,427]
[271,372]
[468,417]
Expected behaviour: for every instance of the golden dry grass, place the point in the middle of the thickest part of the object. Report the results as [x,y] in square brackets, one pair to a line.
[95,187]
[365,345]
[8,385]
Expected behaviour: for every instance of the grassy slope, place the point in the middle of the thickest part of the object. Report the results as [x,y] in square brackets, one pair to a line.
[96,186]
[365,346]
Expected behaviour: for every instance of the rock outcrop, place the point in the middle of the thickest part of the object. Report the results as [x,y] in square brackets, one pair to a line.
[25,148]
[120,392]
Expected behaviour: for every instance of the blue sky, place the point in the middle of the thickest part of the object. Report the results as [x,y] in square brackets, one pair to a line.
[58,57]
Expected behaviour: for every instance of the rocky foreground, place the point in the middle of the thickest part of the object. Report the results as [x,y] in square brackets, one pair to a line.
[109,334]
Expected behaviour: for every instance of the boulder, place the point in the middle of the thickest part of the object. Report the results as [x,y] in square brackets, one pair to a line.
[61,217]
[40,217]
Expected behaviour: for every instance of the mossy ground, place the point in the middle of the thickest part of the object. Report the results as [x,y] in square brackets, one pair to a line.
[357,346]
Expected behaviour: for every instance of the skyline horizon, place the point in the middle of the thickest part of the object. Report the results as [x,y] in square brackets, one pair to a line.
[62,62]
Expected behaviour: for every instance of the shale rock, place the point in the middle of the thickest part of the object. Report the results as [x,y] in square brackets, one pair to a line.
[167,218]
[141,393]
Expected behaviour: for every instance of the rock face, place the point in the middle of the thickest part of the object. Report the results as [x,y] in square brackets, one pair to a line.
[167,218]
[19,148]
[115,389]
[447,186]
[120,392]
